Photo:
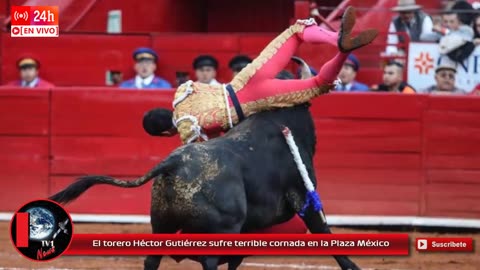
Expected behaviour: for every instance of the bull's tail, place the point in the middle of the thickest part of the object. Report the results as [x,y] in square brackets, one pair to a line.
[83,183]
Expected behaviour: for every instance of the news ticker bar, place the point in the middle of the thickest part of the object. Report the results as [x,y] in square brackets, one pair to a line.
[258,244]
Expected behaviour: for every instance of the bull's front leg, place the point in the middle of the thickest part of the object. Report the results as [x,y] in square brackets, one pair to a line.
[317,223]
[309,205]
[209,262]
[234,262]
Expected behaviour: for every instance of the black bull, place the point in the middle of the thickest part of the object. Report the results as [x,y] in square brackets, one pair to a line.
[241,182]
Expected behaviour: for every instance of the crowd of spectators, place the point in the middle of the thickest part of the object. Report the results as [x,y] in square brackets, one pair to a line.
[456,29]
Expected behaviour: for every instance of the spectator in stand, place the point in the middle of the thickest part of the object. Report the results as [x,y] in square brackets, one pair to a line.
[457,35]
[453,25]
[205,67]
[412,21]
[28,68]
[347,76]
[445,74]
[145,66]
[476,30]
[393,80]
[237,63]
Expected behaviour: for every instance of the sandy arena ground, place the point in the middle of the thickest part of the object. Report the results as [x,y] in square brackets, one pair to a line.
[10,259]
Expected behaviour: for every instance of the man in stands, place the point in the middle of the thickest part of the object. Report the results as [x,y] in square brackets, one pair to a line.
[347,76]
[412,21]
[145,66]
[205,67]
[457,36]
[28,68]
[237,63]
[445,74]
[453,25]
[393,80]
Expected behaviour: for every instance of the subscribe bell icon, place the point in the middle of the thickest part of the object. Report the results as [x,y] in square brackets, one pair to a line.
[422,244]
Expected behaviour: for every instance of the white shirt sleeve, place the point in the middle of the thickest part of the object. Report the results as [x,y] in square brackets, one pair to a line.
[392,39]
[427,30]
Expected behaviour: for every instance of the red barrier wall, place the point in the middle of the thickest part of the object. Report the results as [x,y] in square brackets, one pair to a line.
[24,146]
[369,153]
[377,154]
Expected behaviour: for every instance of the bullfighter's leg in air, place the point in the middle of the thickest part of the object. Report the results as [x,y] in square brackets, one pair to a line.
[257,80]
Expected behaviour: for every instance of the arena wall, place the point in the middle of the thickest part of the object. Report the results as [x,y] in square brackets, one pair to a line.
[379,157]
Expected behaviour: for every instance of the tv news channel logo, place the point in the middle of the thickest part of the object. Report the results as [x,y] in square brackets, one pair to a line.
[41,230]
[34,21]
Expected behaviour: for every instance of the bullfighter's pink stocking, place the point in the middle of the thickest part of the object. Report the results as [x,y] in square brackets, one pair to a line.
[257,80]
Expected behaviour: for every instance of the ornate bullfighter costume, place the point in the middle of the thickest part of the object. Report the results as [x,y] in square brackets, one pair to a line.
[201,109]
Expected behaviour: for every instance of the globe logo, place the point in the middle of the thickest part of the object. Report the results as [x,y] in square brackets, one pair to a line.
[41,230]
[42,223]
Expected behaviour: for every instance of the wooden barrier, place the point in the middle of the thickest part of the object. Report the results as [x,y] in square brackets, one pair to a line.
[24,146]
[100,132]
[369,153]
[377,154]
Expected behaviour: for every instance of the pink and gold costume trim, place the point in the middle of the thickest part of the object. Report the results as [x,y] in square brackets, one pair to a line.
[201,108]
